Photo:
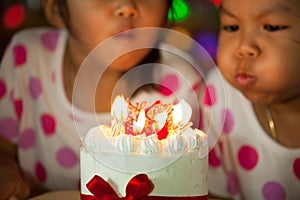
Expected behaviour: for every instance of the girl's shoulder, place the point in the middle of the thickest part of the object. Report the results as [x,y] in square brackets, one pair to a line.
[35,31]
[35,50]
[44,35]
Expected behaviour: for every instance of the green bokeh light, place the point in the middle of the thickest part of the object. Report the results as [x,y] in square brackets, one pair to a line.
[181,10]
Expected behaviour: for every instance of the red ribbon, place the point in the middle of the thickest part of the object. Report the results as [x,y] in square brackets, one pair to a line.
[138,188]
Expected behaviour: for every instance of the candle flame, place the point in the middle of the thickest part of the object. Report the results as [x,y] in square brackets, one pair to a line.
[139,124]
[177,114]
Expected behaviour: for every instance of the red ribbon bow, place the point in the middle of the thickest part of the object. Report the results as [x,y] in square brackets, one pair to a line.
[138,187]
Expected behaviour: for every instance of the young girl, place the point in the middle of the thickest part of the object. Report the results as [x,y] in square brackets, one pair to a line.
[257,155]
[39,140]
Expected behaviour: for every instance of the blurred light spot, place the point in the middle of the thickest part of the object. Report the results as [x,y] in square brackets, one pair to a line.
[209,42]
[216,2]
[181,10]
[14,15]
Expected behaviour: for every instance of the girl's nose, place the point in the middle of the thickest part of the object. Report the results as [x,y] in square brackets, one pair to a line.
[126,8]
[247,49]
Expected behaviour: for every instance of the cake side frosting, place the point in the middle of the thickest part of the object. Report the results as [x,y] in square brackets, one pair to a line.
[173,172]
[187,176]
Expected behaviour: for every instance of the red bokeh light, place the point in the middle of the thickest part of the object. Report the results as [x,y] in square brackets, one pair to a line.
[216,2]
[14,16]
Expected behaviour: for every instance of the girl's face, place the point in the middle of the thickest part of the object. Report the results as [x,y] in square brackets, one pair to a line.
[93,21]
[259,47]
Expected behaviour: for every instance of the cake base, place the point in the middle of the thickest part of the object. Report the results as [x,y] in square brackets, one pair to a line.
[185,177]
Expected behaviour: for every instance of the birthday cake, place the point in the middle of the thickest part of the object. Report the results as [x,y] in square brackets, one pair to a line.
[148,152]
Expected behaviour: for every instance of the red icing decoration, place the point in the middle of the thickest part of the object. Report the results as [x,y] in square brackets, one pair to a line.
[163,133]
[138,188]
[156,107]
[154,104]
[129,127]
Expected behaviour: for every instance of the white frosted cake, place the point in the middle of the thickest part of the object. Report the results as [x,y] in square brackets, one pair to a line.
[148,152]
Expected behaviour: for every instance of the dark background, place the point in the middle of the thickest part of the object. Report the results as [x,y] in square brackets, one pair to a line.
[201,23]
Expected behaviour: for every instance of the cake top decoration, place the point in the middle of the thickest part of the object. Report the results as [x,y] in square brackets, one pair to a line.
[141,119]
[139,128]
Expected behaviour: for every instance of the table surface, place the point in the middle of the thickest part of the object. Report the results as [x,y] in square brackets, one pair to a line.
[65,195]
[68,195]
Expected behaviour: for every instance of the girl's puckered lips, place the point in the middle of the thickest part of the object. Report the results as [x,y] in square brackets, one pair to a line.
[125,33]
[244,79]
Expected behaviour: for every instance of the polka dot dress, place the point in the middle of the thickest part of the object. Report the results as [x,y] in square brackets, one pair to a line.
[245,163]
[33,110]
[36,115]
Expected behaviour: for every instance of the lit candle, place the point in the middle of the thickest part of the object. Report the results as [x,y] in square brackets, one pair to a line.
[119,109]
[160,120]
[139,124]
[177,114]
[181,113]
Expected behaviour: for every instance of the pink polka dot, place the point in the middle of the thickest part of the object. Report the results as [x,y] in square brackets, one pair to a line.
[296,167]
[9,128]
[40,172]
[210,96]
[48,124]
[66,157]
[19,55]
[196,86]
[2,89]
[53,77]
[248,157]
[11,95]
[273,191]
[228,121]
[213,159]
[169,84]
[18,107]
[200,123]
[232,183]
[221,146]
[27,139]
[49,40]
[35,87]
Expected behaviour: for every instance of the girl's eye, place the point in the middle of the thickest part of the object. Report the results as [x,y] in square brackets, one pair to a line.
[272,28]
[231,28]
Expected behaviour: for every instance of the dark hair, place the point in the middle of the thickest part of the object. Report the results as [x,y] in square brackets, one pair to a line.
[64,11]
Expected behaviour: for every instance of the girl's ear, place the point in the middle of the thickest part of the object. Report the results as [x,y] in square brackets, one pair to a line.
[52,13]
